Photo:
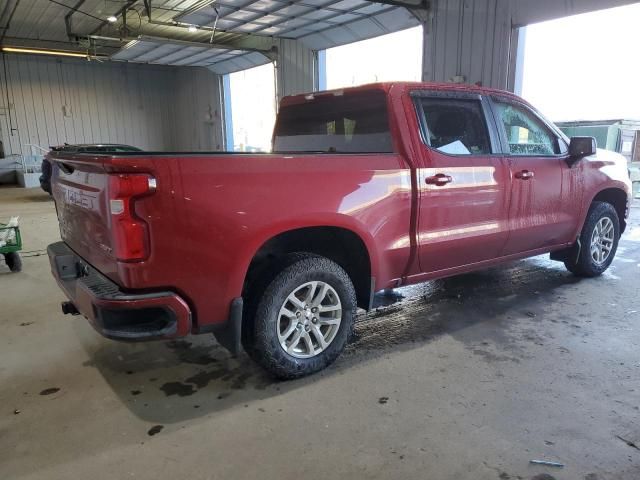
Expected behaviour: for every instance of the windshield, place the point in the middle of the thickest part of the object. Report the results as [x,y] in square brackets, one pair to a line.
[352,123]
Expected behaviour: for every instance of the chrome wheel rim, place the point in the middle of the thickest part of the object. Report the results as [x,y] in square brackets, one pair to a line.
[602,240]
[309,319]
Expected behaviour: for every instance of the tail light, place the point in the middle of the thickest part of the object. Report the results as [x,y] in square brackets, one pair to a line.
[129,234]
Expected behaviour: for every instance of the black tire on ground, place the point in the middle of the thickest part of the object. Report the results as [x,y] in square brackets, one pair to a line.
[14,262]
[586,265]
[263,318]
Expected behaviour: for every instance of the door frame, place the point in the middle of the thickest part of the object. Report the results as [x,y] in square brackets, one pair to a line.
[563,144]
[495,139]
[496,153]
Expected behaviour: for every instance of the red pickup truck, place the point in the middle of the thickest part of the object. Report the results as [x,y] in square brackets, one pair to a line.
[367,188]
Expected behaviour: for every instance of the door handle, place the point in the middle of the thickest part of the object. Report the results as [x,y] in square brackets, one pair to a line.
[439,180]
[524,175]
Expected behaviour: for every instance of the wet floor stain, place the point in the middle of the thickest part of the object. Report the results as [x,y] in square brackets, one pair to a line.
[155,430]
[177,388]
[543,476]
[442,307]
[187,352]
[496,314]
[49,391]
[491,357]
[236,379]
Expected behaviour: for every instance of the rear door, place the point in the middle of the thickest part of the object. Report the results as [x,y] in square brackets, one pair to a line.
[541,212]
[463,183]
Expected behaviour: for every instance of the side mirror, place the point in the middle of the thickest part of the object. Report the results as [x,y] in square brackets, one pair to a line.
[581,147]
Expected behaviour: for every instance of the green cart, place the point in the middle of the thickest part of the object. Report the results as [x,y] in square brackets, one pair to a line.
[11,244]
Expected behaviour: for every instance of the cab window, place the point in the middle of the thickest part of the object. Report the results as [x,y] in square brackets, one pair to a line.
[355,122]
[526,134]
[454,126]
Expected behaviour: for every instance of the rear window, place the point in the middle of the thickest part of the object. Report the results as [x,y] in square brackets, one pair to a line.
[351,123]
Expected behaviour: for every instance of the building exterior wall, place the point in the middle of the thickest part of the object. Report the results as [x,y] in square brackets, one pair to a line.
[49,101]
[478,39]
[469,39]
[296,68]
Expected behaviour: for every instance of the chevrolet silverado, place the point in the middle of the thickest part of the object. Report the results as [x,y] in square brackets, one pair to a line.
[365,189]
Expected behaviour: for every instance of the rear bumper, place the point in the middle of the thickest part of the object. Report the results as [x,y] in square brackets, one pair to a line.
[112,312]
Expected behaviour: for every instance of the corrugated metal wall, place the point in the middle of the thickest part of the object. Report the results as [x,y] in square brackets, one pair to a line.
[49,101]
[295,68]
[197,105]
[478,39]
[470,38]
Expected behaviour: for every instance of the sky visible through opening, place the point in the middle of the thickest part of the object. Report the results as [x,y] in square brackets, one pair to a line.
[253,108]
[396,56]
[585,67]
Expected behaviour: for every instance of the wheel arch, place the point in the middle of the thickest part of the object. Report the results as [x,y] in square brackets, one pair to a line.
[618,198]
[337,243]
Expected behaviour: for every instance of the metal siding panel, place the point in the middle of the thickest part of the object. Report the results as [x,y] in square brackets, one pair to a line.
[19,103]
[49,85]
[81,119]
[12,138]
[469,39]
[35,99]
[150,107]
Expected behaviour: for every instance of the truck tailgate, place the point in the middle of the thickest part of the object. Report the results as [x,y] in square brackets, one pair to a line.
[80,193]
[98,209]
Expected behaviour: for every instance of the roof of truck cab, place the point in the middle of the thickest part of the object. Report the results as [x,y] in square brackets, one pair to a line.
[403,86]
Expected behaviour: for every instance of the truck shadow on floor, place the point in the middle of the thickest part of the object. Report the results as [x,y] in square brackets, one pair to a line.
[168,382]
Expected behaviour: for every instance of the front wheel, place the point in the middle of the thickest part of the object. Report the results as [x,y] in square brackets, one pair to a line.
[598,240]
[304,318]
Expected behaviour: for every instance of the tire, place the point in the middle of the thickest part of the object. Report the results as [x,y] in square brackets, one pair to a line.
[601,215]
[14,262]
[330,317]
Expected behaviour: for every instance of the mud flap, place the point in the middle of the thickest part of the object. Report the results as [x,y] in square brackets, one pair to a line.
[229,335]
[569,255]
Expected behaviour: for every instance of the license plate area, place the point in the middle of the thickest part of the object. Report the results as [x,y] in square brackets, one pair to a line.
[69,267]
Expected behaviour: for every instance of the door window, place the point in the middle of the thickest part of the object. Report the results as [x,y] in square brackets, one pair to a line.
[526,134]
[454,126]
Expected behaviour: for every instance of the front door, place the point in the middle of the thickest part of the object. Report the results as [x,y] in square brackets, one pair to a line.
[540,214]
[463,183]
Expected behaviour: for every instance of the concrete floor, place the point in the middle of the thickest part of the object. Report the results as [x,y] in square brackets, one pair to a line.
[469,379]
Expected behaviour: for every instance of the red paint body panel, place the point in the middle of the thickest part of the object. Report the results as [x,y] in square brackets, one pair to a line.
[539,214]
[210,213]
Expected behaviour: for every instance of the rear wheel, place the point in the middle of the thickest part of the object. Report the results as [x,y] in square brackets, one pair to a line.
[304,318]
[598,240]
[13,260]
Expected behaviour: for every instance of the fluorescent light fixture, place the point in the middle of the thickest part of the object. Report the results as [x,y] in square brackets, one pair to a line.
[193,28]
[61,53]
[112,19]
